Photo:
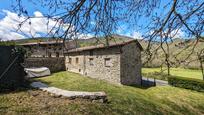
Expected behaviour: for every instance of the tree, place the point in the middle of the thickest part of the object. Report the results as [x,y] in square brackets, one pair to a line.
[201,60]
[102,18]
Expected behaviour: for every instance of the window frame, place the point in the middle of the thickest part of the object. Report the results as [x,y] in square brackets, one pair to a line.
[105,62]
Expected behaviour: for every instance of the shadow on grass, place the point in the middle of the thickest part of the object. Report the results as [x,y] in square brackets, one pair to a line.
[23,87]
[38,79]
[148,84]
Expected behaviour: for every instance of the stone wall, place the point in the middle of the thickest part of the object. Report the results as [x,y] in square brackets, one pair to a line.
[131,64]
[44,50]
[93,64]
[54,64]
[72,65]
[105,65]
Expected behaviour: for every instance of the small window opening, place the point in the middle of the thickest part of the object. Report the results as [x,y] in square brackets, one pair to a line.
[57,54]
[70,60]
[107,62]
[91,53]
[49,54]
[77,60]
[91,61]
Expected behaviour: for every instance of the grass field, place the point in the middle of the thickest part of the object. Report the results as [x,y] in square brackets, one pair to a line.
[122,99]
[156,72]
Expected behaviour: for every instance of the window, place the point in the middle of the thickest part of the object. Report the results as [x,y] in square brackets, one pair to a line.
[91,61]
[107,62]
[57,54]
[70,60]
[49,54]
[77,60]
[91,53]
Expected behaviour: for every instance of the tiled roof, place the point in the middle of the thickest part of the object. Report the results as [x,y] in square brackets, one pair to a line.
[48,42]
[101,46]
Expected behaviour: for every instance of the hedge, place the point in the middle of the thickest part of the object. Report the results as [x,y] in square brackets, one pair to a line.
[187,83]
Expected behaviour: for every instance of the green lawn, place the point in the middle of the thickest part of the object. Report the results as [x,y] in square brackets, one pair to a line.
[131,100]
[122,99]
[156,72]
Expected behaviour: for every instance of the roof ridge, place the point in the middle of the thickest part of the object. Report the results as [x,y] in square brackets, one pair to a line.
[101,47]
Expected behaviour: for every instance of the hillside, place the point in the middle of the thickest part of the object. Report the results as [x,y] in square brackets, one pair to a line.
[180,49]
[30,40]
[101,40]
[182,53]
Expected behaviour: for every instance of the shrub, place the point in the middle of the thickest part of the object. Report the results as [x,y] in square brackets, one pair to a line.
[157,75]
[187,83]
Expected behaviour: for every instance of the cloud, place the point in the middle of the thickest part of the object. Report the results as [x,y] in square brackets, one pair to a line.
[124,30]
[84,36]
[177,34]
[136,35]
[38,14]
[8,35]
[80,36]
[7,27]
[34,27]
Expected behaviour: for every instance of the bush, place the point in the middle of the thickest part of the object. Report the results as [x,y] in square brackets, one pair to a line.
[157,75]
[187,83]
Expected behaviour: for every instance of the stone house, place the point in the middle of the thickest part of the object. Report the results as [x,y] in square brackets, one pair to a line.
[117,63]
[44,49]
[47,48]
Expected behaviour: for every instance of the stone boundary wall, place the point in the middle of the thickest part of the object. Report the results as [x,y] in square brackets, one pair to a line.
[55,64]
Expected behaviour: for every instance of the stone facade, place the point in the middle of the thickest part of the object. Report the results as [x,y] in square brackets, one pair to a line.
[131,64]
[44,49]
[119,63]
[48,49]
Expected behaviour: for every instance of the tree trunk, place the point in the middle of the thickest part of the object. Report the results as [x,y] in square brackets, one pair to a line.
[202,69]
[168,68]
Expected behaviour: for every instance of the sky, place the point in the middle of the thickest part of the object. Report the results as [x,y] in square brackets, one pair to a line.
[9,23]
